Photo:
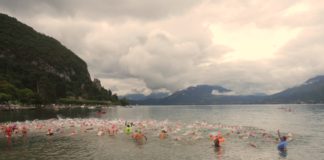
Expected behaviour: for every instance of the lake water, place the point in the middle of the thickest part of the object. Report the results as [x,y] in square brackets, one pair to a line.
[249,132]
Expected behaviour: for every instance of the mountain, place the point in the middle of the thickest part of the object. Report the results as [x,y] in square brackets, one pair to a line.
[37,68]
[135,96]
[195,95]
[139,96]
[203,95]
[312,91]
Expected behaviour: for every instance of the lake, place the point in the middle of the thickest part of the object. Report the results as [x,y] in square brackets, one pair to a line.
[249,131]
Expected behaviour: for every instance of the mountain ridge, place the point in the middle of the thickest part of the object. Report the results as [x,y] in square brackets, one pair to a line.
[311,91]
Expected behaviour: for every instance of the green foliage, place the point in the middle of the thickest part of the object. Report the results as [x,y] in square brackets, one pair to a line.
[26,96]
[124,102]
[8,89]
[5,98]
[9,92]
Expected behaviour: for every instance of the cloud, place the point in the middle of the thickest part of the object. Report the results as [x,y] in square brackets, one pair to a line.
[302,56]
[144,46]
[99,9]
[217,93]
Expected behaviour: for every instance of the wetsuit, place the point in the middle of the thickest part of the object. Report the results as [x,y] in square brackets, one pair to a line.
[282,146]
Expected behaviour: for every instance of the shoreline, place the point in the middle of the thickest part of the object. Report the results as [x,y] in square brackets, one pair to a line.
[15,107]
[7,107]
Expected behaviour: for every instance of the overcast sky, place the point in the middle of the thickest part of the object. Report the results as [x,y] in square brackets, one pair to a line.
[142,46]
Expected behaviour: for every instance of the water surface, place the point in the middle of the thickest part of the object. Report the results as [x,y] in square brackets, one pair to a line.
[305,122]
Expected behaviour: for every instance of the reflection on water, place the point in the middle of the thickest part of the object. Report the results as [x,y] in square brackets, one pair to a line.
[249,131]
[283,154]
[219,152]
[22,115]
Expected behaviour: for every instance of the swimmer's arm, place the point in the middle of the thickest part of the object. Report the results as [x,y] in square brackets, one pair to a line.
[279,135]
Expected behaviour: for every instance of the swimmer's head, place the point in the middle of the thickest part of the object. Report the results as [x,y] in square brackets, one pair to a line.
[284,138]
[216,142]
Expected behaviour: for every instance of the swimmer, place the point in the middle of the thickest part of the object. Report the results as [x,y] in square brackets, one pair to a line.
[24,131]
[100,133]
[139,136]
[216,143]
[163,134]
[219,136]
[112,130]
[282,146]
[128,129]
[50,132]
[15,129]
[131,124]
[8,131]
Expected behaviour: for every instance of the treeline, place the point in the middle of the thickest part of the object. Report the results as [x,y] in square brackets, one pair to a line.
[10,94]
[122,102]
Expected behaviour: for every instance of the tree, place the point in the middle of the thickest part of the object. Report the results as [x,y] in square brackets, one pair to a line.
[7,88]
[124,102]
[25,95]
[5,98]
[114,98]
[46,90]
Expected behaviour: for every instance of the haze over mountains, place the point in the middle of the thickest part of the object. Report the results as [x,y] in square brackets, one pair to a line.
[312,91]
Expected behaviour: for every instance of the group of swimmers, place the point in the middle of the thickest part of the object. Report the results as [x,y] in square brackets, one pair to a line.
[138,130]
[9,130]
